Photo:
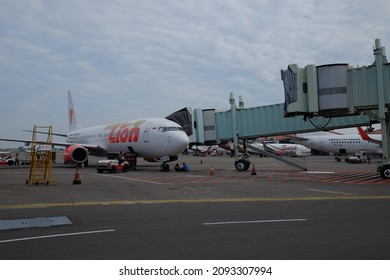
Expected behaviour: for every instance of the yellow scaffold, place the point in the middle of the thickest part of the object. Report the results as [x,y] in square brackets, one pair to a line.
[41,157]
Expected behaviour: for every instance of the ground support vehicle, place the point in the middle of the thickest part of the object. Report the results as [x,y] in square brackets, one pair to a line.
[8,161]
[360,157]
[352,159]
[112,166]
[24,158]
[6,158]
[129,162]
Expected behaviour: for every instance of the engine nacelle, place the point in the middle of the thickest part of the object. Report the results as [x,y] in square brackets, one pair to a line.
[75,154]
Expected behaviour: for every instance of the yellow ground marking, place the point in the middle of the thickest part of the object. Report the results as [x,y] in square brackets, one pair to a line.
[201,200]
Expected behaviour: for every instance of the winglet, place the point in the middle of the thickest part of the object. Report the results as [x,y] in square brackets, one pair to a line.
[72,114]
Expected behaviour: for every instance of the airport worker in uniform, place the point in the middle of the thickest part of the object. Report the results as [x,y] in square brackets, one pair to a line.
[17,159]
[177,167]
[120,158]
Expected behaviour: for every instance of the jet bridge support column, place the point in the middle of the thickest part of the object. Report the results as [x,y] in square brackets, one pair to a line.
[241,161]
[380,60]
[234,124]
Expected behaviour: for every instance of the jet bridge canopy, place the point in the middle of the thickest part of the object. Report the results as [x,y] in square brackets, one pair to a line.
[182,117]
[209,126]
[269,121]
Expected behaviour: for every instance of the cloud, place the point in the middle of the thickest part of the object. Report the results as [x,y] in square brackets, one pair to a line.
[125,59]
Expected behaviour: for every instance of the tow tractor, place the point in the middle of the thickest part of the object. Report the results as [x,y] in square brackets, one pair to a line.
[113,165]
[6,158]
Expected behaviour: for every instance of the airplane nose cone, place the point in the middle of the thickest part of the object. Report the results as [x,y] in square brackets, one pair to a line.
[184,141]
[180,141]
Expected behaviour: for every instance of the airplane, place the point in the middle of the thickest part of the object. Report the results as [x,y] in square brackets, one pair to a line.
[201,150]
[154,139]
[291,150]
[342,143]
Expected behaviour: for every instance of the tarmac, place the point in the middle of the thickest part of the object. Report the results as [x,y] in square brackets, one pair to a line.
[267,179]
[335,210]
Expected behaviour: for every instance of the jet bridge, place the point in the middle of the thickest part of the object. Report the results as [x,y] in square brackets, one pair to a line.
[206,126]
[336,90]
[318,98]
[265,121]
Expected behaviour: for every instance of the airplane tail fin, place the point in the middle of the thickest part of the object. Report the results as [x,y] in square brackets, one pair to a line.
[365,136]
[72,114]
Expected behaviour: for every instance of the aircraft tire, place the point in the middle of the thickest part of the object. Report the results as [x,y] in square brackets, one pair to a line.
[241,165]
[385,172]
[164,167]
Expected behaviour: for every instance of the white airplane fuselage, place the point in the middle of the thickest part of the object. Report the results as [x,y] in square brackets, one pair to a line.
[340,144]
[293,150]
[147,137]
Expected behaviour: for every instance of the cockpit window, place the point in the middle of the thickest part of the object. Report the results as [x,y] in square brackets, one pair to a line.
[170,128]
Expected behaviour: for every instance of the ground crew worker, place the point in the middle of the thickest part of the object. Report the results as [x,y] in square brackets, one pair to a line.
[120,158]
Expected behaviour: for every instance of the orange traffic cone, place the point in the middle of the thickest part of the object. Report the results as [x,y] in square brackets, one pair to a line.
[253,170]
[212,173]
[77,180]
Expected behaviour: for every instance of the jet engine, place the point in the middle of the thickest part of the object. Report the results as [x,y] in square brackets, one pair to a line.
[75,154]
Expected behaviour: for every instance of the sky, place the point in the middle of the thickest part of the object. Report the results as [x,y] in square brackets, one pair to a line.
[126,59]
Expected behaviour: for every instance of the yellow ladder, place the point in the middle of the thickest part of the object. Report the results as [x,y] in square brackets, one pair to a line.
[41,158]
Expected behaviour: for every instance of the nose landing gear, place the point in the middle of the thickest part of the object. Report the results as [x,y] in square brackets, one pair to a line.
[164,167]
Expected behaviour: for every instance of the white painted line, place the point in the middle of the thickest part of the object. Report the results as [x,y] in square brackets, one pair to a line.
[56,235]
[133,179]
[254,222]
[325,191]
[318,172]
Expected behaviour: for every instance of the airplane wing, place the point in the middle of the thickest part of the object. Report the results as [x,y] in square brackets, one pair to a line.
[334,132]
[26,142]
[297,138]
[61,144]
[41,132]
[365,136]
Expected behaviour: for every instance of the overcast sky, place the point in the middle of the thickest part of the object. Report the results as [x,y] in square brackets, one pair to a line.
[125,59]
